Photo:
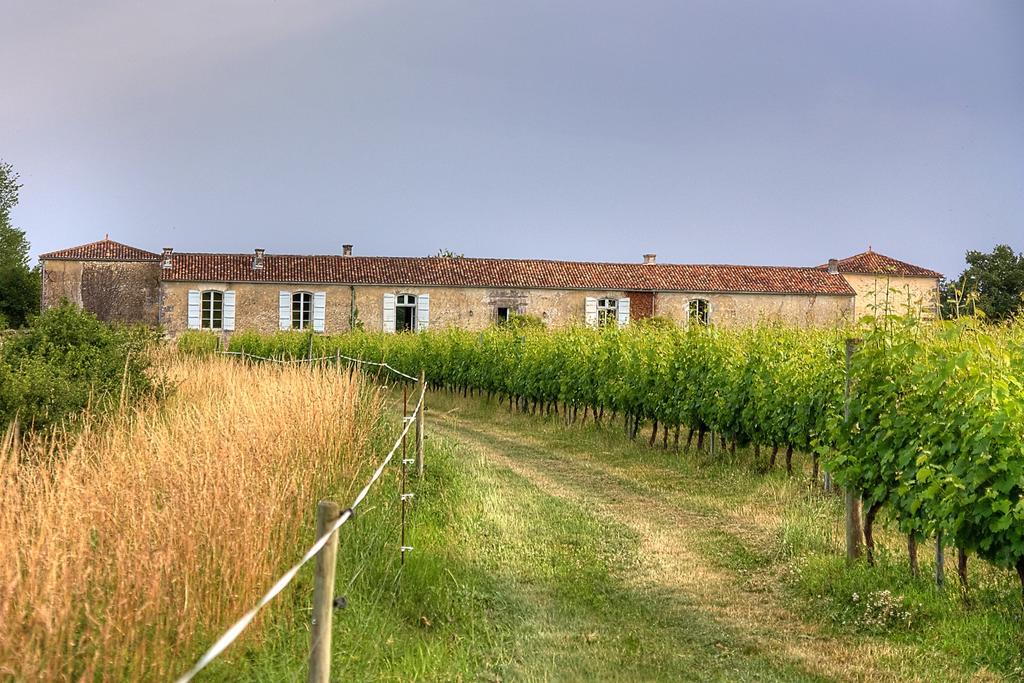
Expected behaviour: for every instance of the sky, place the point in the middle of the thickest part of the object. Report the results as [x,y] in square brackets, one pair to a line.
[719,131]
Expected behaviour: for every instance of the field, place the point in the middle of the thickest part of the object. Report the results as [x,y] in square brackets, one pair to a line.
[560,533]
[921,421]
[127,545]
[546,552]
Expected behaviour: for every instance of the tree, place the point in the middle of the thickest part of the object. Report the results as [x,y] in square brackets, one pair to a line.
[994,282]
[19,284]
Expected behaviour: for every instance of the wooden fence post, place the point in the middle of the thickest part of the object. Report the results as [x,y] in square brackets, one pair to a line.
[419,425]
[940,561]
[854,533]
[854,530]
[327,512]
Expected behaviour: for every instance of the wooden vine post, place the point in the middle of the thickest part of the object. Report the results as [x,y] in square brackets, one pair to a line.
[420,423]
[854,532]
[327,512]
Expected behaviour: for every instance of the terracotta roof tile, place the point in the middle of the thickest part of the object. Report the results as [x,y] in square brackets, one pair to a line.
[104,250]
[872,263]
[511,273]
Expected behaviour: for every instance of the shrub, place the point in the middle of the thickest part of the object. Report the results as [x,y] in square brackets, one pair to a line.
[68,360]
[520,321]
[195,343]
[657,322]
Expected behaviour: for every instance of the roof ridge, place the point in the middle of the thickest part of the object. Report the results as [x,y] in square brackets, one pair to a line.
[112,250]
[861,264]
[457,259]
[440,271]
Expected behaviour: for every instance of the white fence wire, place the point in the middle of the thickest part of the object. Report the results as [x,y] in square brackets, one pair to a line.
[337,356]
[236,629]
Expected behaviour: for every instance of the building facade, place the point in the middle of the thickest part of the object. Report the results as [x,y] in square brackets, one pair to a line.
[335,293]
[884,284]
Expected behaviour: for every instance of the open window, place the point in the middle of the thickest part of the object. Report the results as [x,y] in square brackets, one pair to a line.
[502,315]
[212,310]
[405,313]
[607,312]
[699,312]
[302,310]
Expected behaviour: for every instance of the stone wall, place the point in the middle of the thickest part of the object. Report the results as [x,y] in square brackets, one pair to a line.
[256,306]
[744,310]
[62,280]
[900,294]
[116,291]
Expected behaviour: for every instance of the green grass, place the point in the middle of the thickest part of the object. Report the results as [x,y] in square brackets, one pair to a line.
[984,632]
[794,546]
[538,569]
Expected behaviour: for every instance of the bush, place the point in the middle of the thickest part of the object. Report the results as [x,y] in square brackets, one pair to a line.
[657,322]
[194,343]
[68,361]
[520,321]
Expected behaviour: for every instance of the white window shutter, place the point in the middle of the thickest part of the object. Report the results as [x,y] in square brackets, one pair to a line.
[422,312]
[389,312]
[229,310]
[590,311]
[193,309]
[623,309]
[319,310]
[284,311]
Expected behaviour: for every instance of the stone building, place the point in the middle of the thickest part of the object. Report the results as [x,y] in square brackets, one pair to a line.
[333,293]
[116,282]
[884,284]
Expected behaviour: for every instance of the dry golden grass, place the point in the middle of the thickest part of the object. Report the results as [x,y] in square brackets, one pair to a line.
[122,547]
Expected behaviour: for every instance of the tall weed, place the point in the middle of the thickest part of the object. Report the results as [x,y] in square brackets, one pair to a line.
[128,545]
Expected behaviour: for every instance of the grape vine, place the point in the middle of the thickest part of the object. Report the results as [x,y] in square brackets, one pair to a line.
[935,424]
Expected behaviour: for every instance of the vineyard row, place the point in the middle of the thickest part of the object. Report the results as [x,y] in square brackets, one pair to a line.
[923,419]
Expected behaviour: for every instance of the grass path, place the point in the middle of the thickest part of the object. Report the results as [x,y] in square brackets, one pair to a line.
[698,543]
[670,563]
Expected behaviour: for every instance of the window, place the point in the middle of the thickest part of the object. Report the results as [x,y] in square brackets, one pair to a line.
[699,311]
[607,312]
[302,310]
[503,314]
[405,313]
[212,313]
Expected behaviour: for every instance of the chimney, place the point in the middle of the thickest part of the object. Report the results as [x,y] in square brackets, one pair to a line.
[346,250]
[833,266]
[649,259]
[167,257]
[257,261]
